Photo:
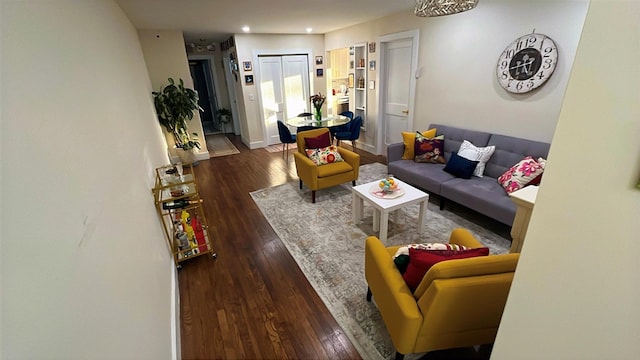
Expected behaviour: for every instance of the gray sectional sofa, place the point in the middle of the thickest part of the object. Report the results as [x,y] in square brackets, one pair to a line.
[484,195]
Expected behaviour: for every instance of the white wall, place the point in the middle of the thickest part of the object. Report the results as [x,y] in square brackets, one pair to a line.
[85,270]
[458,56]
[576,292]
[246,46]
[166,57]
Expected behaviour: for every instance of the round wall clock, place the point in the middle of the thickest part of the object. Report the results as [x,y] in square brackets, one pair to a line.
[527,63]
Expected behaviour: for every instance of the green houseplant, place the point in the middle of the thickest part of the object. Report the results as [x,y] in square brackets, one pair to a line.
[175,105]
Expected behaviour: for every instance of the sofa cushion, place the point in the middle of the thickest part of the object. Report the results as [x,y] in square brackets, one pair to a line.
[324,155]
[483,195]
[455,137]
[420,261]
[510,150]
[409,138]
[460,167]
[427,177]
[520,174]
[481,154]
[429,150]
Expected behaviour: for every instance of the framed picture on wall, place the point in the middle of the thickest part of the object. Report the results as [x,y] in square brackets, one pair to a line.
[372,65]
[318,60]
[351,80]
[319,72]
[372,47]
[246,65]
[248,79]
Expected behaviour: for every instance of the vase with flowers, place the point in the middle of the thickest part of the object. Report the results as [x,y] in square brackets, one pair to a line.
[317,101]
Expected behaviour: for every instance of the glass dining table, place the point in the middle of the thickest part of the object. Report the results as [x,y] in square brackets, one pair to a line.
[326,121]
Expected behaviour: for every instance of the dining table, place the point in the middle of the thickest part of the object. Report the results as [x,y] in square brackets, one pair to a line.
[326,121]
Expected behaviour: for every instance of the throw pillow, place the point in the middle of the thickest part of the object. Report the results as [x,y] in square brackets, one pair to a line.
[420,261]
[324,155]
[319,141]
[481,154]
[520,174]
[460,167]
[429,150]
[409,138]
[536,181]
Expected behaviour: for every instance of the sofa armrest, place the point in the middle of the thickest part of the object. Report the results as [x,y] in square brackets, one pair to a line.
[465,238]
[395,151]
[395,301]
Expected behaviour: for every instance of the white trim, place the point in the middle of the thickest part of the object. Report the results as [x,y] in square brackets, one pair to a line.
[176,347]
[414,35]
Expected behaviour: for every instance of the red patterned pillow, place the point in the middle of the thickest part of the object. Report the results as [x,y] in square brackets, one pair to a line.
[520,174]
[420,261]
[325,155]
[429,150]
[319,141]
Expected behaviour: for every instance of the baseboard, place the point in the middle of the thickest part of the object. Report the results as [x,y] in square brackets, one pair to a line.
[176,348]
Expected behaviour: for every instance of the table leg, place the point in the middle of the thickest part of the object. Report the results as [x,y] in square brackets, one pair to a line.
[376,219]
[356,209]
[396,216]
[423,211]
[384,226]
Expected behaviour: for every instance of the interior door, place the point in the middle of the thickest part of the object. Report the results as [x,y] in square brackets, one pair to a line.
[284,90]
[272,95]
[397,89]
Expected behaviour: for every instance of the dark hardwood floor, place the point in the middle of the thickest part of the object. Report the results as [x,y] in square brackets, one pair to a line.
[253,302]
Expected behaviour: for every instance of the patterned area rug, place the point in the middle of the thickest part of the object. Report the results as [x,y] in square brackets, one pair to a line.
[330,250]
[278,147]
[219,145]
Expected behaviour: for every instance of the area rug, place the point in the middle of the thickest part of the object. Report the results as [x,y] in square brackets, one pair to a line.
[278,147]
[329,249]
[219,145]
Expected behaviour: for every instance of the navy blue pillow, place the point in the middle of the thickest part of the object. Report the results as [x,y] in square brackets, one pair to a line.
[460,167]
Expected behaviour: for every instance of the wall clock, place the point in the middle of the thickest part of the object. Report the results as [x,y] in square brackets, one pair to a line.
[527,63]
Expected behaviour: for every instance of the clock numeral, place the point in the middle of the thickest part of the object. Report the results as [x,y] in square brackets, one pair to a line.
[504,75]
[530,41]
[519,85]
[509,54]
[504,64]
[519,46]
[530,84]
[541,75]
[509,82]
[547,63]
[547,51]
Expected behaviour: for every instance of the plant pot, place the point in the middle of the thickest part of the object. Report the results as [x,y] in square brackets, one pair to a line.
[187,156]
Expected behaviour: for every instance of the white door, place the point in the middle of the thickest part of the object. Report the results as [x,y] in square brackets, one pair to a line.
[398,60]
[284,90]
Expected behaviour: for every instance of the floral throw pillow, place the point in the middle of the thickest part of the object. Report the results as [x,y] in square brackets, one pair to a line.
[429,150]
[325,155]
[520,174]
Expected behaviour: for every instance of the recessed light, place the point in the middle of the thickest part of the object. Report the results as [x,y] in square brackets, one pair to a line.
[246,29]
[309,30]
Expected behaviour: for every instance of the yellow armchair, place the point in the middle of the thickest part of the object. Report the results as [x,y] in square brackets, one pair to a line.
[459,303]
[324,176]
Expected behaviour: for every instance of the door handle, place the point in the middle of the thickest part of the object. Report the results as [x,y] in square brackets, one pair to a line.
[406,112]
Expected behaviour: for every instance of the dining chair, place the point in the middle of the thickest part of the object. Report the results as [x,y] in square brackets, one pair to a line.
[286,137]
[344,127]
[348,114]
[352,134]
[305,114]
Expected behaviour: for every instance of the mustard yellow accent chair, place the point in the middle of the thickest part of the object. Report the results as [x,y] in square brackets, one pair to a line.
[324,176]
[459,303]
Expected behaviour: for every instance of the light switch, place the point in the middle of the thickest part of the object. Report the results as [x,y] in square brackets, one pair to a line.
[252,97]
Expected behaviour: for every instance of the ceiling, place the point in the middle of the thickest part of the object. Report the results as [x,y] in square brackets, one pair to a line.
[216,20]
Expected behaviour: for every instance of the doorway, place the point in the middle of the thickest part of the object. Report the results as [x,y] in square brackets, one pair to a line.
[283,89]
[204,85]
[398,62]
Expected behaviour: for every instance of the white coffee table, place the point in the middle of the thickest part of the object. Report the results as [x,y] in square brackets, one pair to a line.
[382,207]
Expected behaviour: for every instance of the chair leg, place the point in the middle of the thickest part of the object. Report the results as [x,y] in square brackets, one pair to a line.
[300,184]
[369,294]
[353,183]
[353,146]
[313,196]
[441,203]
[399,356]
[283,145]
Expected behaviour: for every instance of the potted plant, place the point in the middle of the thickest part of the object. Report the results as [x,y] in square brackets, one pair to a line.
[224,117]
[175,105]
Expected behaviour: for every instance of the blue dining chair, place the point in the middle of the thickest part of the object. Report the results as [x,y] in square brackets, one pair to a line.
[352,134]
[348,114]
[342,128]
[286,137]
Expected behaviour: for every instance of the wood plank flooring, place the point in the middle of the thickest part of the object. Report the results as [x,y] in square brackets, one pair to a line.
[253,302]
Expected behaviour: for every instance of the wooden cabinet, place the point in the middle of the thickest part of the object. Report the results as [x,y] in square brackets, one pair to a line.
[358,64]
[340,63]
[525,199]
[179,208]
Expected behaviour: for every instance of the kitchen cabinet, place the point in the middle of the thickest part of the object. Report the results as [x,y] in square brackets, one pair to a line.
[340,63]
[358,64]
